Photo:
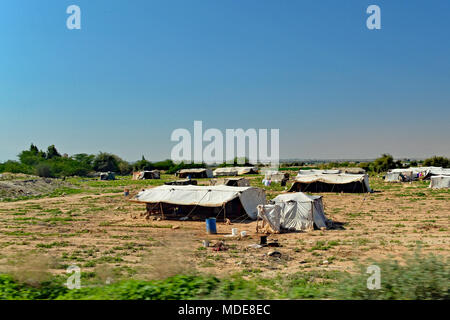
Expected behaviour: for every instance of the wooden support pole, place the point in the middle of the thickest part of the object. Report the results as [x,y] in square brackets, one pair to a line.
[161,209]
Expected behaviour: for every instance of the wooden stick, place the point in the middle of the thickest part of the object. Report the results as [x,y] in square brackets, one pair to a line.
[161,209]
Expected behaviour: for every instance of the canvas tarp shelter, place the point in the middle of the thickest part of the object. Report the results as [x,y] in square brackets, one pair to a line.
[317,171]
[403,176]
[297,211]
[183,182]
[330,182]
[234,171]
[237,182]
[247,170]
[195,173]
[415,173]
[440,182]
[230,171]
[207,197]
[276,176]
[146,174]
[107,175]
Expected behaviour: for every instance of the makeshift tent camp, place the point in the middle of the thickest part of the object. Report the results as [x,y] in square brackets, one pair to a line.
[237,182]
[415,173]
[330,182]
[297,211]
[107,175]
[184,182]
[144,175]
[198,202]
[194,173]
[440,182]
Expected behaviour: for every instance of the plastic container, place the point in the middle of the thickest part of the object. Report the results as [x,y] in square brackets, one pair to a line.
[211,226]
[234,231]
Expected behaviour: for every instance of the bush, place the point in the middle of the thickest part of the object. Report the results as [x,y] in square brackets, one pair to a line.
[44,170]
[421,277]
[15,167]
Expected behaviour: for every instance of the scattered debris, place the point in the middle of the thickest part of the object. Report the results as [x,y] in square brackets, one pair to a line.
[175,227]
[255,246]
[274,243]
[219,246]
[274,254]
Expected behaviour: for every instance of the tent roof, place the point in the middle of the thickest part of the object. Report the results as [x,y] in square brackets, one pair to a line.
[340,178]
[316,171]
[416,170]
[193,170]
[207,196]
[226,170]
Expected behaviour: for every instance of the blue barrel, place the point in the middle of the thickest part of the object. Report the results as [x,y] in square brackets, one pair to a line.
[211,226]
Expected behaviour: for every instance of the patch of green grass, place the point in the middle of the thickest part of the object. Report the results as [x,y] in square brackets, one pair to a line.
[53,244]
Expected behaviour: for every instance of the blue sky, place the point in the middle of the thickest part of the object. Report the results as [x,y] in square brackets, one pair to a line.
[137,70]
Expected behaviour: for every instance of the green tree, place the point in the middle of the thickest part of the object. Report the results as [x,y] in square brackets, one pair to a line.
[106,162]
[52,152]
[143,164]
[437,162]
[34,149]
[84,158]
[384,163]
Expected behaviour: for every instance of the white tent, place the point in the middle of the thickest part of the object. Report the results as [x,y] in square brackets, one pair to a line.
[297,211]
[276,176]
[330,182]
[227,171]
[234,171]
[440,182]
[400,176]
[204,196]
[247,170]
[414,173]
[317,171]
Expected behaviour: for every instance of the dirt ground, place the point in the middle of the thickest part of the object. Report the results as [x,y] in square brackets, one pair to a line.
[107,237]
